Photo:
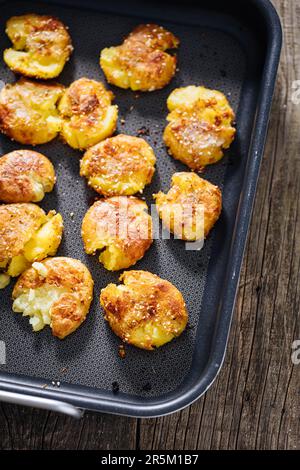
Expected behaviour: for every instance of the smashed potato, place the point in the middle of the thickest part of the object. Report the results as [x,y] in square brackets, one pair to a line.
[28,111]
[200,126]
[146,311]
[87,114]
[55,292]
[120,165]
[25,176]
[120,228]
[141,62]
[191,207]
[41,45]
[27,234]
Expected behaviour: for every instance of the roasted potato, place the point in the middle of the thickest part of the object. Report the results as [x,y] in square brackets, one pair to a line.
[120,165]
[200,126]
[25,176]
[87,113]
[141,62]
[120,228]
[27,234]
[56,292]
[191,207]
[28,111]
[41,45]
[146,311]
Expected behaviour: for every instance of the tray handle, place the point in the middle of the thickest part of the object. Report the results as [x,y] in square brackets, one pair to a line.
[43,403]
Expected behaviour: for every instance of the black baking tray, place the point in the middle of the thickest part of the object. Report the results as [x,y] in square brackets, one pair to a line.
[233,46]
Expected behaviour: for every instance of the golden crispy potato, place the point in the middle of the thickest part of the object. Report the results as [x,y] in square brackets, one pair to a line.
[191,207]
[28,112]
[41,45]
[120,165]
[25,176]
[146,311]
[87,113]
[121,228]
[27,234]
[56,292]
[200,126]
[141,63]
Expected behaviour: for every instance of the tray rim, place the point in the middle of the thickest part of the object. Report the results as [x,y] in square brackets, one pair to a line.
[122,404]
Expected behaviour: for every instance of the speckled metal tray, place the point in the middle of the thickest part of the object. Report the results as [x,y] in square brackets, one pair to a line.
[229,46]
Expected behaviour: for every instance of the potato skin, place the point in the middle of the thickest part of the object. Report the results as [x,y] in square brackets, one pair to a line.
[187,192]
[41,45]
[141,63]
[18,222]
[20,171]
[121,227]
[200,126]
[71,309]
[28,112]
[120,165]
[87,113]
[146,311]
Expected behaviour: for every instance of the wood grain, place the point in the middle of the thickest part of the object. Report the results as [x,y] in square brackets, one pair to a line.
[254,403]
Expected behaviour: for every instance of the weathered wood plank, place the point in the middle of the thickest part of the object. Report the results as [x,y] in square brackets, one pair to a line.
[26,428]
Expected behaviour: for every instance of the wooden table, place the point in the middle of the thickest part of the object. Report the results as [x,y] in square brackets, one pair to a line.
[255,402]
